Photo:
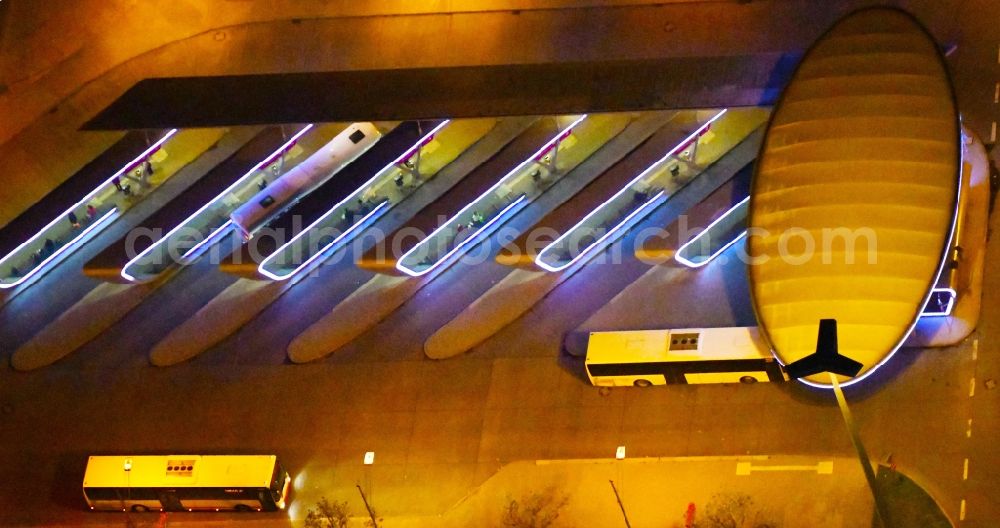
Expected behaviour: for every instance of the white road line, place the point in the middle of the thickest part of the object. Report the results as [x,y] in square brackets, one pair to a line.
[993,132]
[975,349]
[822,468]
[996,93]
[961,511]
[965,470]
[972,387]
[968,429]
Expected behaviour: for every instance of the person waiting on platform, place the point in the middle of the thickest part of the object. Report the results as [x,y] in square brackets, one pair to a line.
[477,219]
[73,220]
[91,212]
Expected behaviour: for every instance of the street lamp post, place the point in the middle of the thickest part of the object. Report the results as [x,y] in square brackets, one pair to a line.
[866,465]
[827,358]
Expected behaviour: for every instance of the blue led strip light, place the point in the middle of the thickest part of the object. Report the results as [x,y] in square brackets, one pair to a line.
[644,207]
[127,276]
[51,259]
[354,228]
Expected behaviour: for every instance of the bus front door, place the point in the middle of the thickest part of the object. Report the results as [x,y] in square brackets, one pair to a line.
[170,501]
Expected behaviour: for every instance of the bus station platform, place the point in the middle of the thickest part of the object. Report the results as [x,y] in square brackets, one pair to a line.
[350,183]
[191,207]
[600,214]
[523,250]
[100,193]
[523,288]
[89,177]
[471,187]
[706,228]
[244,299]
[574,143]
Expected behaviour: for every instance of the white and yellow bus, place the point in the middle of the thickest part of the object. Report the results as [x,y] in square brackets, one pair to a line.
[186,483]
[693,355]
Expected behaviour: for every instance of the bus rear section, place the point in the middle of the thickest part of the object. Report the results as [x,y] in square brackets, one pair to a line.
[685,356]
[186,483]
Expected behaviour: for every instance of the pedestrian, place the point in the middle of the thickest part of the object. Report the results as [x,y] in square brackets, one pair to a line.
[49,247]
[349,216]
[118,183]
[14,272]
[147,167]
[262,184]
[91,212]
[73,220]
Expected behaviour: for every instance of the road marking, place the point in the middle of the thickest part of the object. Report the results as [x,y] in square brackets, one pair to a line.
[822,468]
[968,429]
[965,470]
[975,349]
[972,387]
[996,93]
[961,511]
[993,132]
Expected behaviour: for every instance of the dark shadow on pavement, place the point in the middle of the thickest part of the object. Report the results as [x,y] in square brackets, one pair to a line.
[907,503]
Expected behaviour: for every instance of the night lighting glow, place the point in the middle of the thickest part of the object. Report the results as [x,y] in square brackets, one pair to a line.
[945,257]
[353,229]
[100,222]
[127,276]
[194,251]
[947,309]
[680,146]
[340,239]
[678,256]
[484,229]
[80,236]
[600,242]
[447,225]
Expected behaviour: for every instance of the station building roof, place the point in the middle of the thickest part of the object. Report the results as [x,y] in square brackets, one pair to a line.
[864,142]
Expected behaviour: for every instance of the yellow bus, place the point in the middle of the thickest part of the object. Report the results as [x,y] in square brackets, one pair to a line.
[186,483]
[694,355]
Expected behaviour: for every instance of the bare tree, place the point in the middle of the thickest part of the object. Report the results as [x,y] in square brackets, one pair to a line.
[735,510]
[534,510]
[328,515]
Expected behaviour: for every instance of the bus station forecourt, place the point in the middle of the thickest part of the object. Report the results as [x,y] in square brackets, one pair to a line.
[884,156]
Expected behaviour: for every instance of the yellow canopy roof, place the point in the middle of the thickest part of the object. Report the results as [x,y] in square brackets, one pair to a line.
[862,159]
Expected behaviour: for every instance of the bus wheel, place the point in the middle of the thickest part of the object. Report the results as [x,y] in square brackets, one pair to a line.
[139,508]
[642,383]
[748,379]
[242,508]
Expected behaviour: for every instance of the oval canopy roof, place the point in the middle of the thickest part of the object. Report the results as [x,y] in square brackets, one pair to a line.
[865,137]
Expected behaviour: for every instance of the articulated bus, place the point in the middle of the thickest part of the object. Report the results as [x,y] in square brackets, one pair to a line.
[694,355]
[186,483]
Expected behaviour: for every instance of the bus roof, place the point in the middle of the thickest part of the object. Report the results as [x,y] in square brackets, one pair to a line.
[687,344]
[172,471]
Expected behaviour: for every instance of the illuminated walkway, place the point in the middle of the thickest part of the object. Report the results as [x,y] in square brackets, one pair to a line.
[522,288]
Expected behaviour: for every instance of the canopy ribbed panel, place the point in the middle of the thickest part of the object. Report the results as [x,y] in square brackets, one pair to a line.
[862,151]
